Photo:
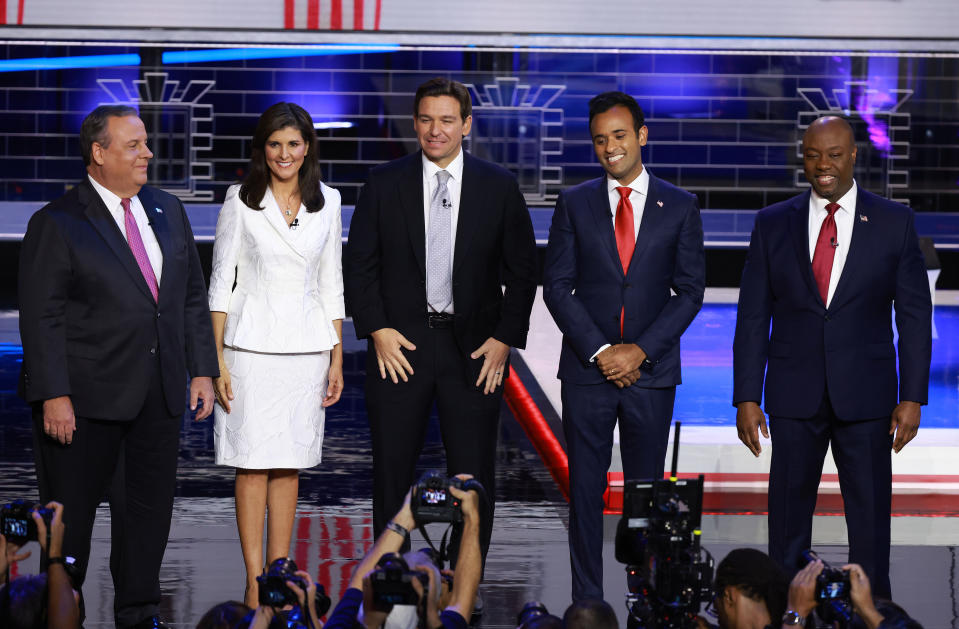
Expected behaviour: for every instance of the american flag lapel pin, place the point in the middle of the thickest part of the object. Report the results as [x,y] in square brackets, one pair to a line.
[659,203]
[863,218]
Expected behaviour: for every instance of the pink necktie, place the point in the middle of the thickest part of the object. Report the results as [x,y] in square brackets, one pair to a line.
[625,236]
[139,251]
[825,252]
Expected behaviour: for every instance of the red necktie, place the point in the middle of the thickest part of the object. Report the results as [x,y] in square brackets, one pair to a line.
[825,252]
[625,236]
[138,249]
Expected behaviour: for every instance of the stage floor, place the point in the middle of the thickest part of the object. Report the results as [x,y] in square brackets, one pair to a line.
[529,556]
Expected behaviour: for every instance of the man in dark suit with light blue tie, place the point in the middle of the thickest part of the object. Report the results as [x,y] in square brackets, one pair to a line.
[440,277]
[825,269]
[624,278]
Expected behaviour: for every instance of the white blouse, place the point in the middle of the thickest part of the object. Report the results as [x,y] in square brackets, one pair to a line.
[289,282]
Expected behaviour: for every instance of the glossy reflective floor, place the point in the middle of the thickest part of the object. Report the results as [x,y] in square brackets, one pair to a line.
[529,556]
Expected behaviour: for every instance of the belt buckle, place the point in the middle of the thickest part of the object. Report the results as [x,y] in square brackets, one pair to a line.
[438,320]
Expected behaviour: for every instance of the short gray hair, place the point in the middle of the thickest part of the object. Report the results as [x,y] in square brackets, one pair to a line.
[94,127]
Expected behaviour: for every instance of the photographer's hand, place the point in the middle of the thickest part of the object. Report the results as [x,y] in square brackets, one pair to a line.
[62,608]
[373,616]
[389,541]
[860,592]
[56,530]
[262,617]
[802,590]
[307,599]
[469,566]
[9,556]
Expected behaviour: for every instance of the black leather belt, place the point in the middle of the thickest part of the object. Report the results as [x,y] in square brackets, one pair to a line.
[439,320]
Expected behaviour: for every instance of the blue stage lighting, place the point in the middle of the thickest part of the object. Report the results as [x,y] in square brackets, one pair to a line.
[236,54]
[66,63]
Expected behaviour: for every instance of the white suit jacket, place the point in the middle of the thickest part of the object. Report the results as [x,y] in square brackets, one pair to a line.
[289,283]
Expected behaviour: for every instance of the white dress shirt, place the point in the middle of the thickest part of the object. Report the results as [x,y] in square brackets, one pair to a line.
[637,199]
[454,184]
[150,243]
[845,219]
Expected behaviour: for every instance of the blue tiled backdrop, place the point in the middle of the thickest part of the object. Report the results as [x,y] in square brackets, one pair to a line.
[723,125]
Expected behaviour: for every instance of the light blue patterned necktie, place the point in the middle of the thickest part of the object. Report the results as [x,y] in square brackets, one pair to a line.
[439,285]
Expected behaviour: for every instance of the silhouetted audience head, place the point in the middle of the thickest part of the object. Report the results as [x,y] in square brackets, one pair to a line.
[548,621]
[748,583]
[23,603]
[590,614]
[893,617]
[223,616]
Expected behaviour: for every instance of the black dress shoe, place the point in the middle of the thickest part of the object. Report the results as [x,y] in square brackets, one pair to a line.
[153,622]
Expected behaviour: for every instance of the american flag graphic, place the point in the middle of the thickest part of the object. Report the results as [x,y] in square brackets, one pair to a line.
[333,15]
[11,11]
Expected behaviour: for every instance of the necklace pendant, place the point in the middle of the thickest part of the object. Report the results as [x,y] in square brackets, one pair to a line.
[289,212]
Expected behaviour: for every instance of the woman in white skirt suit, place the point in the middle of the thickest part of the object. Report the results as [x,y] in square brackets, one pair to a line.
[278,332]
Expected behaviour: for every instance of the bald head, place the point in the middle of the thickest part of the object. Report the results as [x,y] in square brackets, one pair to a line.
[833,124]
[829,156]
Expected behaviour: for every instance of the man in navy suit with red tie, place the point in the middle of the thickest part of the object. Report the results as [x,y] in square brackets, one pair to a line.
[825,269]
[625,275]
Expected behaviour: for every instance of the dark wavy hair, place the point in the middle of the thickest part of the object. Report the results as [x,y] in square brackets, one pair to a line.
[281,116]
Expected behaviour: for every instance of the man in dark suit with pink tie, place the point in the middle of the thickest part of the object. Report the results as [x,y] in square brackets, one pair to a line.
[814,333]
[624,277]
[113,320]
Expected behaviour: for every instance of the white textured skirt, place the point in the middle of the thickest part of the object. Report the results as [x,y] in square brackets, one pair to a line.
[276,418]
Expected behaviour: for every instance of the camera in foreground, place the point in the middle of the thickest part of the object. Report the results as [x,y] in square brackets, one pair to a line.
[275,593]
[392,582]
[16,521]
[432,501]
[833,602]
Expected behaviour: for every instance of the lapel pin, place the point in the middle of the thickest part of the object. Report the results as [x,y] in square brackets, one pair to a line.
[659,203]
[159,211]
[863,218]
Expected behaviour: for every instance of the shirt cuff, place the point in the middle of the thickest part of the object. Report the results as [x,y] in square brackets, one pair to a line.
[592,358]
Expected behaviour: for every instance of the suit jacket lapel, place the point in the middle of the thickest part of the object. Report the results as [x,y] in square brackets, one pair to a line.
[652,215]
[410,195]
[599,208]
[161,228]
[274,216]
[101,219]
[799,229]
[857,254]
[470,211]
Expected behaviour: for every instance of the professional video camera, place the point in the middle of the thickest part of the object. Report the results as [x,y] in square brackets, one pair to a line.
[668,574]
[431,500]
[275,593]
[832,592]
[16,522]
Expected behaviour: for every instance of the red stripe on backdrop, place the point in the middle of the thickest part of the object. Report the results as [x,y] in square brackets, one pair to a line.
[289,10]
[358,15]
[313,14]
[20,13]
[3,20]
[376,23]
[336,15]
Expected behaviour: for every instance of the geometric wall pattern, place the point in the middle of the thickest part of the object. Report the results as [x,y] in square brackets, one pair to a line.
[721,124]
